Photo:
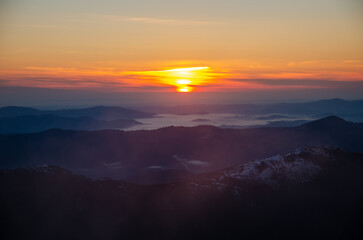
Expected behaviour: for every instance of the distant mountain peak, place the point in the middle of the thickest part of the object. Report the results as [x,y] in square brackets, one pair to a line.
[336,100]
[106,107]
[332,119]
[16,107]
[331,122]
[98,112]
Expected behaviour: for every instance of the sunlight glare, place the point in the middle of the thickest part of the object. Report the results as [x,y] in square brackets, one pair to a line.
[183,79]
[184,89]
[183,82]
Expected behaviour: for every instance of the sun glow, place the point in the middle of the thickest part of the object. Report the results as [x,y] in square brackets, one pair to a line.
[183,79]
[183,82]
[184,89]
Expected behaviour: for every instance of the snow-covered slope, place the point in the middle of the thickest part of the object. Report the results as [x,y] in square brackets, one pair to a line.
[300,166]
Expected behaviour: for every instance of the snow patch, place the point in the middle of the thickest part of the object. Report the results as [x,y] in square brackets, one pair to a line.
[299,166]
[188,163]
[274,169]
[114,165]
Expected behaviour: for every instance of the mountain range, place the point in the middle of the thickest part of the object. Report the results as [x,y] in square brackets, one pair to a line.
[350,110]
[39,123]
[15,120]
[129,154]
[99,112]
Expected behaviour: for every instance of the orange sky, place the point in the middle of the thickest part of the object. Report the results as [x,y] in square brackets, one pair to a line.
[224,45]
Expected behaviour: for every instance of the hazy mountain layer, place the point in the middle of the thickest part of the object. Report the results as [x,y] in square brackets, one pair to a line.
[99,112]
[39,123]
[351,110]
[120,154]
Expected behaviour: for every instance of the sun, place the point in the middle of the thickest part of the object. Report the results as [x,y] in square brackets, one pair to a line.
[184,89]
[184,80]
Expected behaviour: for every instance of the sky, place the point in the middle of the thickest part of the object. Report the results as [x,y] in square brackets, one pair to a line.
[249,47]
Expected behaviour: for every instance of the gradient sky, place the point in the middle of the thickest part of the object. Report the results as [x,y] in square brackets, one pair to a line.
[236,45]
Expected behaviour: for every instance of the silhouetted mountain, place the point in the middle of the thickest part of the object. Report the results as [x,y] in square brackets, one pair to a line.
[121,154]
[100,112]
[293,123]
[103,112]
[331,123]
[320,108]
[13,111]
[202,120]
[309,192]
[39,123]
[272,117]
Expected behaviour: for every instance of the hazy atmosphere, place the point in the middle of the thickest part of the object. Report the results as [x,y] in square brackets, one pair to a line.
[263,50]
[182,120]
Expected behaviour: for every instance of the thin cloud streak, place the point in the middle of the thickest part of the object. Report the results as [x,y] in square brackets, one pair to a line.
[211,80]
[301,82]
[150,20]
[45,26]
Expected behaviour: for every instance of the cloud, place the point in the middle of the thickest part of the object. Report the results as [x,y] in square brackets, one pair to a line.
[83,82]
[112,165]
[202,79]
[308,83]
[353,61]
[4,82]
[303,63]
[41,26]
[150,20]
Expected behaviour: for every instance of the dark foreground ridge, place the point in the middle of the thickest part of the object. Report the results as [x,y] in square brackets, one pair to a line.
[313,192]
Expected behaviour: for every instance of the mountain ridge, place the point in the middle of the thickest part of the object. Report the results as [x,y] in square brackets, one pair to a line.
[39,123]
[99,112]
[353,110]
[198,149]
